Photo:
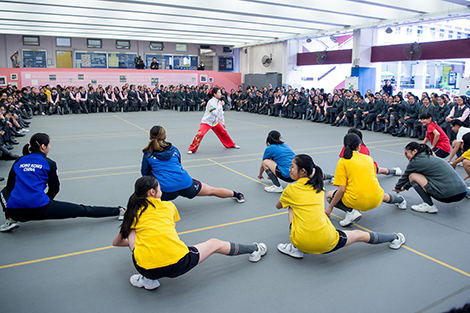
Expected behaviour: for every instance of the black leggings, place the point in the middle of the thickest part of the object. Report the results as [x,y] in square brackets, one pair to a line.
[60,210]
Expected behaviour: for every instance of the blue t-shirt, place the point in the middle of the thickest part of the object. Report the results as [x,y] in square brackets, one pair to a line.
[166,167]
[282,154]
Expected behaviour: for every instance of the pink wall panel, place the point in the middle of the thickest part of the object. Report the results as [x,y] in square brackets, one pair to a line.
[115,77]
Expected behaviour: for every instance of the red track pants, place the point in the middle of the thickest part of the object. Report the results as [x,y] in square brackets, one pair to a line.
[218,129]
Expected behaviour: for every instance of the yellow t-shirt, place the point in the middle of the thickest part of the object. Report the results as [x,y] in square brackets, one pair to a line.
[466,154]
[312,231]
[359,176]
[48,93]
[157,243]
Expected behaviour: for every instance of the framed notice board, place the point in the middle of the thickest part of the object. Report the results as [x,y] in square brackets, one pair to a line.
[225,64]
[185,62]
[91,60]
[165,62]
[34,58]
[121,60]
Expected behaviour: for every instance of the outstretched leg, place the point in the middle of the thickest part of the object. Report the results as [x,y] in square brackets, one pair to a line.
[203,129]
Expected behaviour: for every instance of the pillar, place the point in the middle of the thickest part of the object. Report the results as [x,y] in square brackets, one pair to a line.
[420,75]
[363,40]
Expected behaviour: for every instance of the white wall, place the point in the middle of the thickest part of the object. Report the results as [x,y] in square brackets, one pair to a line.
[250,61]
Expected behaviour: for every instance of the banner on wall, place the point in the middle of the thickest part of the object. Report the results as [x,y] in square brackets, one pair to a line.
[34,58]
[464,87]
[351,83]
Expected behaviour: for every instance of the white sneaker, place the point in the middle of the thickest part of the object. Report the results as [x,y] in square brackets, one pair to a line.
[401,205]
[468,193]
[10,224]
[274,188]
[256,255]
[424,208]
[290,250]
[332,180]
[397,243]
[235,147]
[460,164]
[140,281]
[190,152]
[122,211]
[398,171]
[42,113]
[350,217]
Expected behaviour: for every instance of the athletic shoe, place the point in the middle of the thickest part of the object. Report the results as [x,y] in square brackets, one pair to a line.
[424,208]
[42,113]
[468,193]
[290,250]
[235,147]
[140,281]
[350,217]
[332,180]
[274,188]
[255,256]
[190,152]
[122,211]
[10,224]
[460,164]
[397,243]
[401,205]
[398,171]
[239,198]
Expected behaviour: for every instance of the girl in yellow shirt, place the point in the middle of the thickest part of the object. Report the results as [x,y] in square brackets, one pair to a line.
[358,187]
[157,251]
[311,229]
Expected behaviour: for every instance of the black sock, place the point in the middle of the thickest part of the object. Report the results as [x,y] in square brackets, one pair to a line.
[376,238]
[340,205]
[273,177]
[423,194]
[327,176]
[236,248]
[391,171]
[395,199]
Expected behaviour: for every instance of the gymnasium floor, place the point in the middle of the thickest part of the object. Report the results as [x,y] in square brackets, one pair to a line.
[70,266]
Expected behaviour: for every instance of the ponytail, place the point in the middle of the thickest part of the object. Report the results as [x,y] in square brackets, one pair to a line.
[420,147]
[314,172]
[274,138]
[136,201]
[157,140]
[351,142]
[213,91]
[35,143]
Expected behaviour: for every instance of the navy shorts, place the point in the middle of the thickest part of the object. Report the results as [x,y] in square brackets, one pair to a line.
[189,192]
[440,153]
[280,176]
[184,265]
[342,241]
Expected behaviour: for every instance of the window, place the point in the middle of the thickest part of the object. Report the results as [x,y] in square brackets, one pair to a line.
[158,46]
[451,34]
[181,47]
[93,43]
[123,44]
[63,42]
[420,31]
[398,30]
[228,50]
[433,32]
[441,34]
[409,31]
[459,35]
[31,40]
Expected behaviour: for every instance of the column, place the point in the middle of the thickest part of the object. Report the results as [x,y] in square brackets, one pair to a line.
[420,75]
[363,40]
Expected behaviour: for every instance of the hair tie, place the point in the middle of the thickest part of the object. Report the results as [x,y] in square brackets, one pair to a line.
[29,144]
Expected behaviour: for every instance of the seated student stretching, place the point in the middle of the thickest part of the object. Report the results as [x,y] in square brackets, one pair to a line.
[157,251]
[311,231]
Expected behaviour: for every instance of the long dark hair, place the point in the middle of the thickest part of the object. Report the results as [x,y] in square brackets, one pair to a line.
[213,91]
[304,161]
[136,201]
[35,143]
[157,140]
[357,132]
[351,142]
[420,147]
[274,138]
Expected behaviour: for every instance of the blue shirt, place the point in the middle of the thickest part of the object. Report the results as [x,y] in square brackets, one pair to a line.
[166,167]
[28,179]
[282,154]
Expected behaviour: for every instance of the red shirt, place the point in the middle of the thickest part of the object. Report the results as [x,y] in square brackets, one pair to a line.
[443,142]
[363,150]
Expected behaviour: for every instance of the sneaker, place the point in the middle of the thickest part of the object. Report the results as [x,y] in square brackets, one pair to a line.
[190,152]
[122,211]
[10,224]
[140,281]
[256,255]
[398,171]
[274,188]
[332,180]
[401,205]
[397,243]
[350,217]
[239,197]
[424,208]
[460,164]
[42,113]
[468,193]
[235,147]
[290,250]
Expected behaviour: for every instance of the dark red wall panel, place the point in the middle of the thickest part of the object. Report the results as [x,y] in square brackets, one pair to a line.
[334,57]
[449,49]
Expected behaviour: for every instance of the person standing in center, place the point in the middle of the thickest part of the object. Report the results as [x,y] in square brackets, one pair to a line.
[213,119]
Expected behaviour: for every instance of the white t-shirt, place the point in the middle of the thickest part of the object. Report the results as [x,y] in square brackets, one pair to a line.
[462,131]
[214,113]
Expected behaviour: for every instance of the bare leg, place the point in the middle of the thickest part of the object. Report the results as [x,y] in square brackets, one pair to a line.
[207,190]
[420,179]
[269,164]
[383,170]
[211,246]
[356,236]
[466,167]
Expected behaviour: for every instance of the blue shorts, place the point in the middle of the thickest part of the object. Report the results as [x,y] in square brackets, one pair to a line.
[184,265]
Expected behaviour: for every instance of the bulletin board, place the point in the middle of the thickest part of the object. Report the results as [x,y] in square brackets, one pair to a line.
[185,62]
[226,64]
[91,60]
[121,60]
[464,89]
[165,62]
[34,58]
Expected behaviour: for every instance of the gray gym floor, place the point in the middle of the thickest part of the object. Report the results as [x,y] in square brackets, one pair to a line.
[70,266]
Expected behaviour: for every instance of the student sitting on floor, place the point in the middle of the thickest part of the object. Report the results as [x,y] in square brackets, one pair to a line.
[311,230]
[149,231]
[465,158]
